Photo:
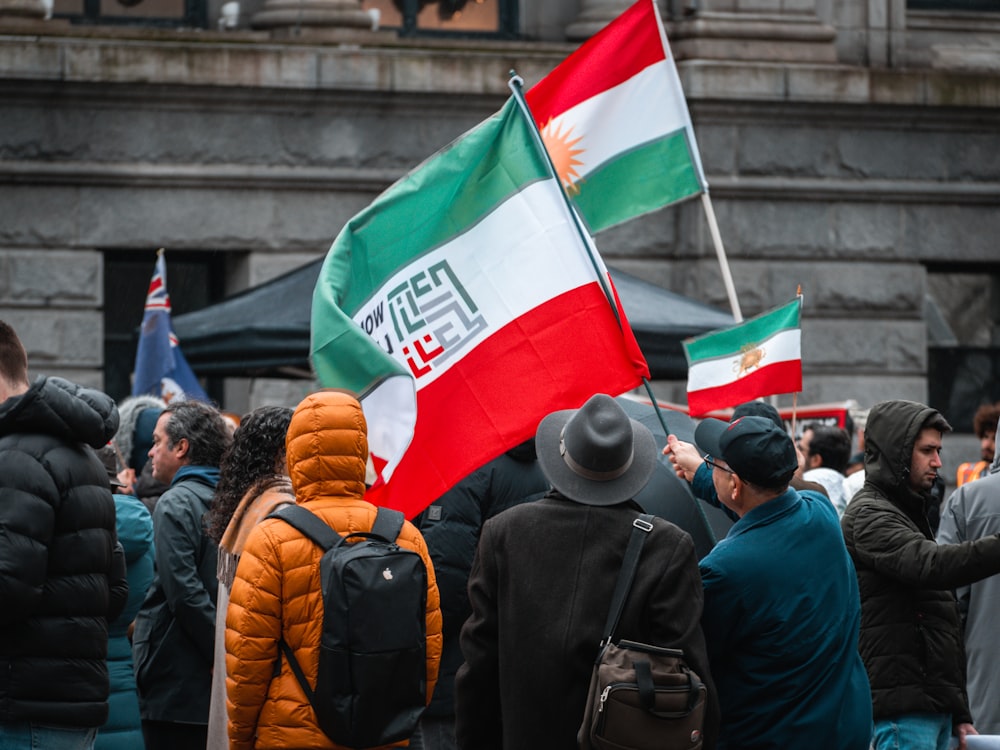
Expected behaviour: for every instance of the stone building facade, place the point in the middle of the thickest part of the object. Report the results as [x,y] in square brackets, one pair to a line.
[852,147]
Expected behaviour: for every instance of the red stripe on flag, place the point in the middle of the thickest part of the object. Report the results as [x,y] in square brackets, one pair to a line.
[782,377]
[554,357]
[621,50]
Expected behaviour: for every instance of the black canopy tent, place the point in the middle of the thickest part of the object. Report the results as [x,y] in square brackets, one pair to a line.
[264,331]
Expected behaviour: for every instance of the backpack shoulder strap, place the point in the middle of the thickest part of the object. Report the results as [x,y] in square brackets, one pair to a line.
[308,523]
[388,524]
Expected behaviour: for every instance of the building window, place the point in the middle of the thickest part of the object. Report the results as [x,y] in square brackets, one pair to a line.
[167,13]
[494,18]
[963,339]
[956,5]
[194,281]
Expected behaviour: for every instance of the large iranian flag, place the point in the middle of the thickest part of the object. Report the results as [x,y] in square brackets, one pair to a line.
[616,124]
[759,357]
[462,306]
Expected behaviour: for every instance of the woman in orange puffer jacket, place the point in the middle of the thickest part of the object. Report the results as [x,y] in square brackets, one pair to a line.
[277,592]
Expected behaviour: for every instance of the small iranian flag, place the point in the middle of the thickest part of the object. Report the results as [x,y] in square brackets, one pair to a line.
[615,122]
[462,306]
[759,357]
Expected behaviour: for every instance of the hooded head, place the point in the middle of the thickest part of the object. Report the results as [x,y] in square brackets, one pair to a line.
[890,434]
[327,446]
[137,419]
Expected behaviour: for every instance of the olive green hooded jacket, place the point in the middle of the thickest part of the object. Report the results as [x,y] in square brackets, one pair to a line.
[910,634]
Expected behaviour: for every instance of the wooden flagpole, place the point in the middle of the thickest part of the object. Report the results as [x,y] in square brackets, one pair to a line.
[720,252]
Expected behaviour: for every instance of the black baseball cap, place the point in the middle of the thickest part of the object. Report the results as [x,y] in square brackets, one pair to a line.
[754,447]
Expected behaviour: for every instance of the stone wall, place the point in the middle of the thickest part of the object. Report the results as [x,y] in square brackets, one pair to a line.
[846,179]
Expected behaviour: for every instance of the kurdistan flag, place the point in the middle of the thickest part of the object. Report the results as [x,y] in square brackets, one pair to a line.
[615,122]
[462,307]
[759,357]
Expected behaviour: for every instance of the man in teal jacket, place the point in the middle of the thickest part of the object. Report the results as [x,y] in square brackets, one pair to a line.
[782,610]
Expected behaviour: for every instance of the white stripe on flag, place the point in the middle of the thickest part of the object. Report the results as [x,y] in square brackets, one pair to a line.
[784,346]
[615,123]
[543,258]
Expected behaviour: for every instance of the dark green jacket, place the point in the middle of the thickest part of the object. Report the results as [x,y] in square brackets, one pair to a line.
[910,634]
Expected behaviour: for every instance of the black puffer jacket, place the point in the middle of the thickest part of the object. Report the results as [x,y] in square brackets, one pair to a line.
[59,582]
[910,636]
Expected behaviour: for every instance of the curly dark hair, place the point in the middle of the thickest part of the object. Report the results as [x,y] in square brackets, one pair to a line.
[256,454]
[985,419]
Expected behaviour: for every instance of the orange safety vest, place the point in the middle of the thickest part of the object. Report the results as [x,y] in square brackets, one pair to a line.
[969,471]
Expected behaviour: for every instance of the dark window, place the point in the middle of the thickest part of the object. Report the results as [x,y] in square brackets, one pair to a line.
[168,13]
[967,5]
[963,340]
[474,18]
[194,281]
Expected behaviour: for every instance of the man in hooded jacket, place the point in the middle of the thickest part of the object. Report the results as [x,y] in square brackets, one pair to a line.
[60,579]
[911,639]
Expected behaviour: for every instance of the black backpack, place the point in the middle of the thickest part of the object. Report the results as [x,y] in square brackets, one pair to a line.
[371,687]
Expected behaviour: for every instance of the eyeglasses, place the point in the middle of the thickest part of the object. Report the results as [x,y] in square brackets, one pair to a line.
[712,465]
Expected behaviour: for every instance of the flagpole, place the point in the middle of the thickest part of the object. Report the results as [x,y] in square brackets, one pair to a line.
[720,252]
[515,84]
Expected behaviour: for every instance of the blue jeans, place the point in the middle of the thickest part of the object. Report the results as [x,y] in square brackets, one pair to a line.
[24,735]
[913,732]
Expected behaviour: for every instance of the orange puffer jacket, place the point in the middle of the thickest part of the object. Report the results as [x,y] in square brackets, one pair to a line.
[277,591]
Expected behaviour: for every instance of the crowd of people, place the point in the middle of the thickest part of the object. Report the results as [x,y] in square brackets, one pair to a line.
[152,599]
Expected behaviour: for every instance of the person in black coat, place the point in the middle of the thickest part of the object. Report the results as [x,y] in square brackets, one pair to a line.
[62,572]
[542,581]
[451,527]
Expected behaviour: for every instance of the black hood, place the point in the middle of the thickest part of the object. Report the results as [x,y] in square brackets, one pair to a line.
[890,433]
[65,410]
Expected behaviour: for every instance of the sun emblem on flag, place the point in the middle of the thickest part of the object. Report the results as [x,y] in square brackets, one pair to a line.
[560,146]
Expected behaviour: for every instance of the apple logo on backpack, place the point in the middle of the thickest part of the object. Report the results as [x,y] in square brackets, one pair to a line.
[387,574]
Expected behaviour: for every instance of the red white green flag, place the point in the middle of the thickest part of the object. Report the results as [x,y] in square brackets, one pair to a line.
[616,124]
[462,307]
[759,357]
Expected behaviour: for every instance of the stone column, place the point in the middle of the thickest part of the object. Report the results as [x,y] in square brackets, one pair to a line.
[326,14]
[22,9]
[767,30]
[594,15]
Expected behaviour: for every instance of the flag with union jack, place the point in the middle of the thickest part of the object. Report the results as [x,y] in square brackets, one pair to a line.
[160,367]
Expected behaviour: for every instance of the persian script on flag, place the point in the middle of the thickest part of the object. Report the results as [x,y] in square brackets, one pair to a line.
[759,357]
[463,307]
[615,121]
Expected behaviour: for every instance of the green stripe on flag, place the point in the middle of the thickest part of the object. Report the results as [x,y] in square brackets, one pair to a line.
[638,181]
[729,341]
[439,200]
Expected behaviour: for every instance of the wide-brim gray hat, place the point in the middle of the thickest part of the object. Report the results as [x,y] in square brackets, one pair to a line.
[596,455]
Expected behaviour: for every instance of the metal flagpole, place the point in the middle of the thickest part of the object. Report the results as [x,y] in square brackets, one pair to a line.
[515,84]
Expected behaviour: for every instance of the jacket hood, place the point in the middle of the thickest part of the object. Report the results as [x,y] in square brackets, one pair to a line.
[890,433]
[64,410]
[133,446]
[327,447]
[134,525]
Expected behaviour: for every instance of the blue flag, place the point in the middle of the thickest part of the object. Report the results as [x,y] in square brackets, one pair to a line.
[160,368]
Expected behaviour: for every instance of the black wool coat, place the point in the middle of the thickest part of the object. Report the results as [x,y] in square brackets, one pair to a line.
[540,589]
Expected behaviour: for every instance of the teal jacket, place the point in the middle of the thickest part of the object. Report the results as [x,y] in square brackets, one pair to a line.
[781,620]
[123,729]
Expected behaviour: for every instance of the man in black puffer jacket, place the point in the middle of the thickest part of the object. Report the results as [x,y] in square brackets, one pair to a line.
[910,635]
[61,577]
